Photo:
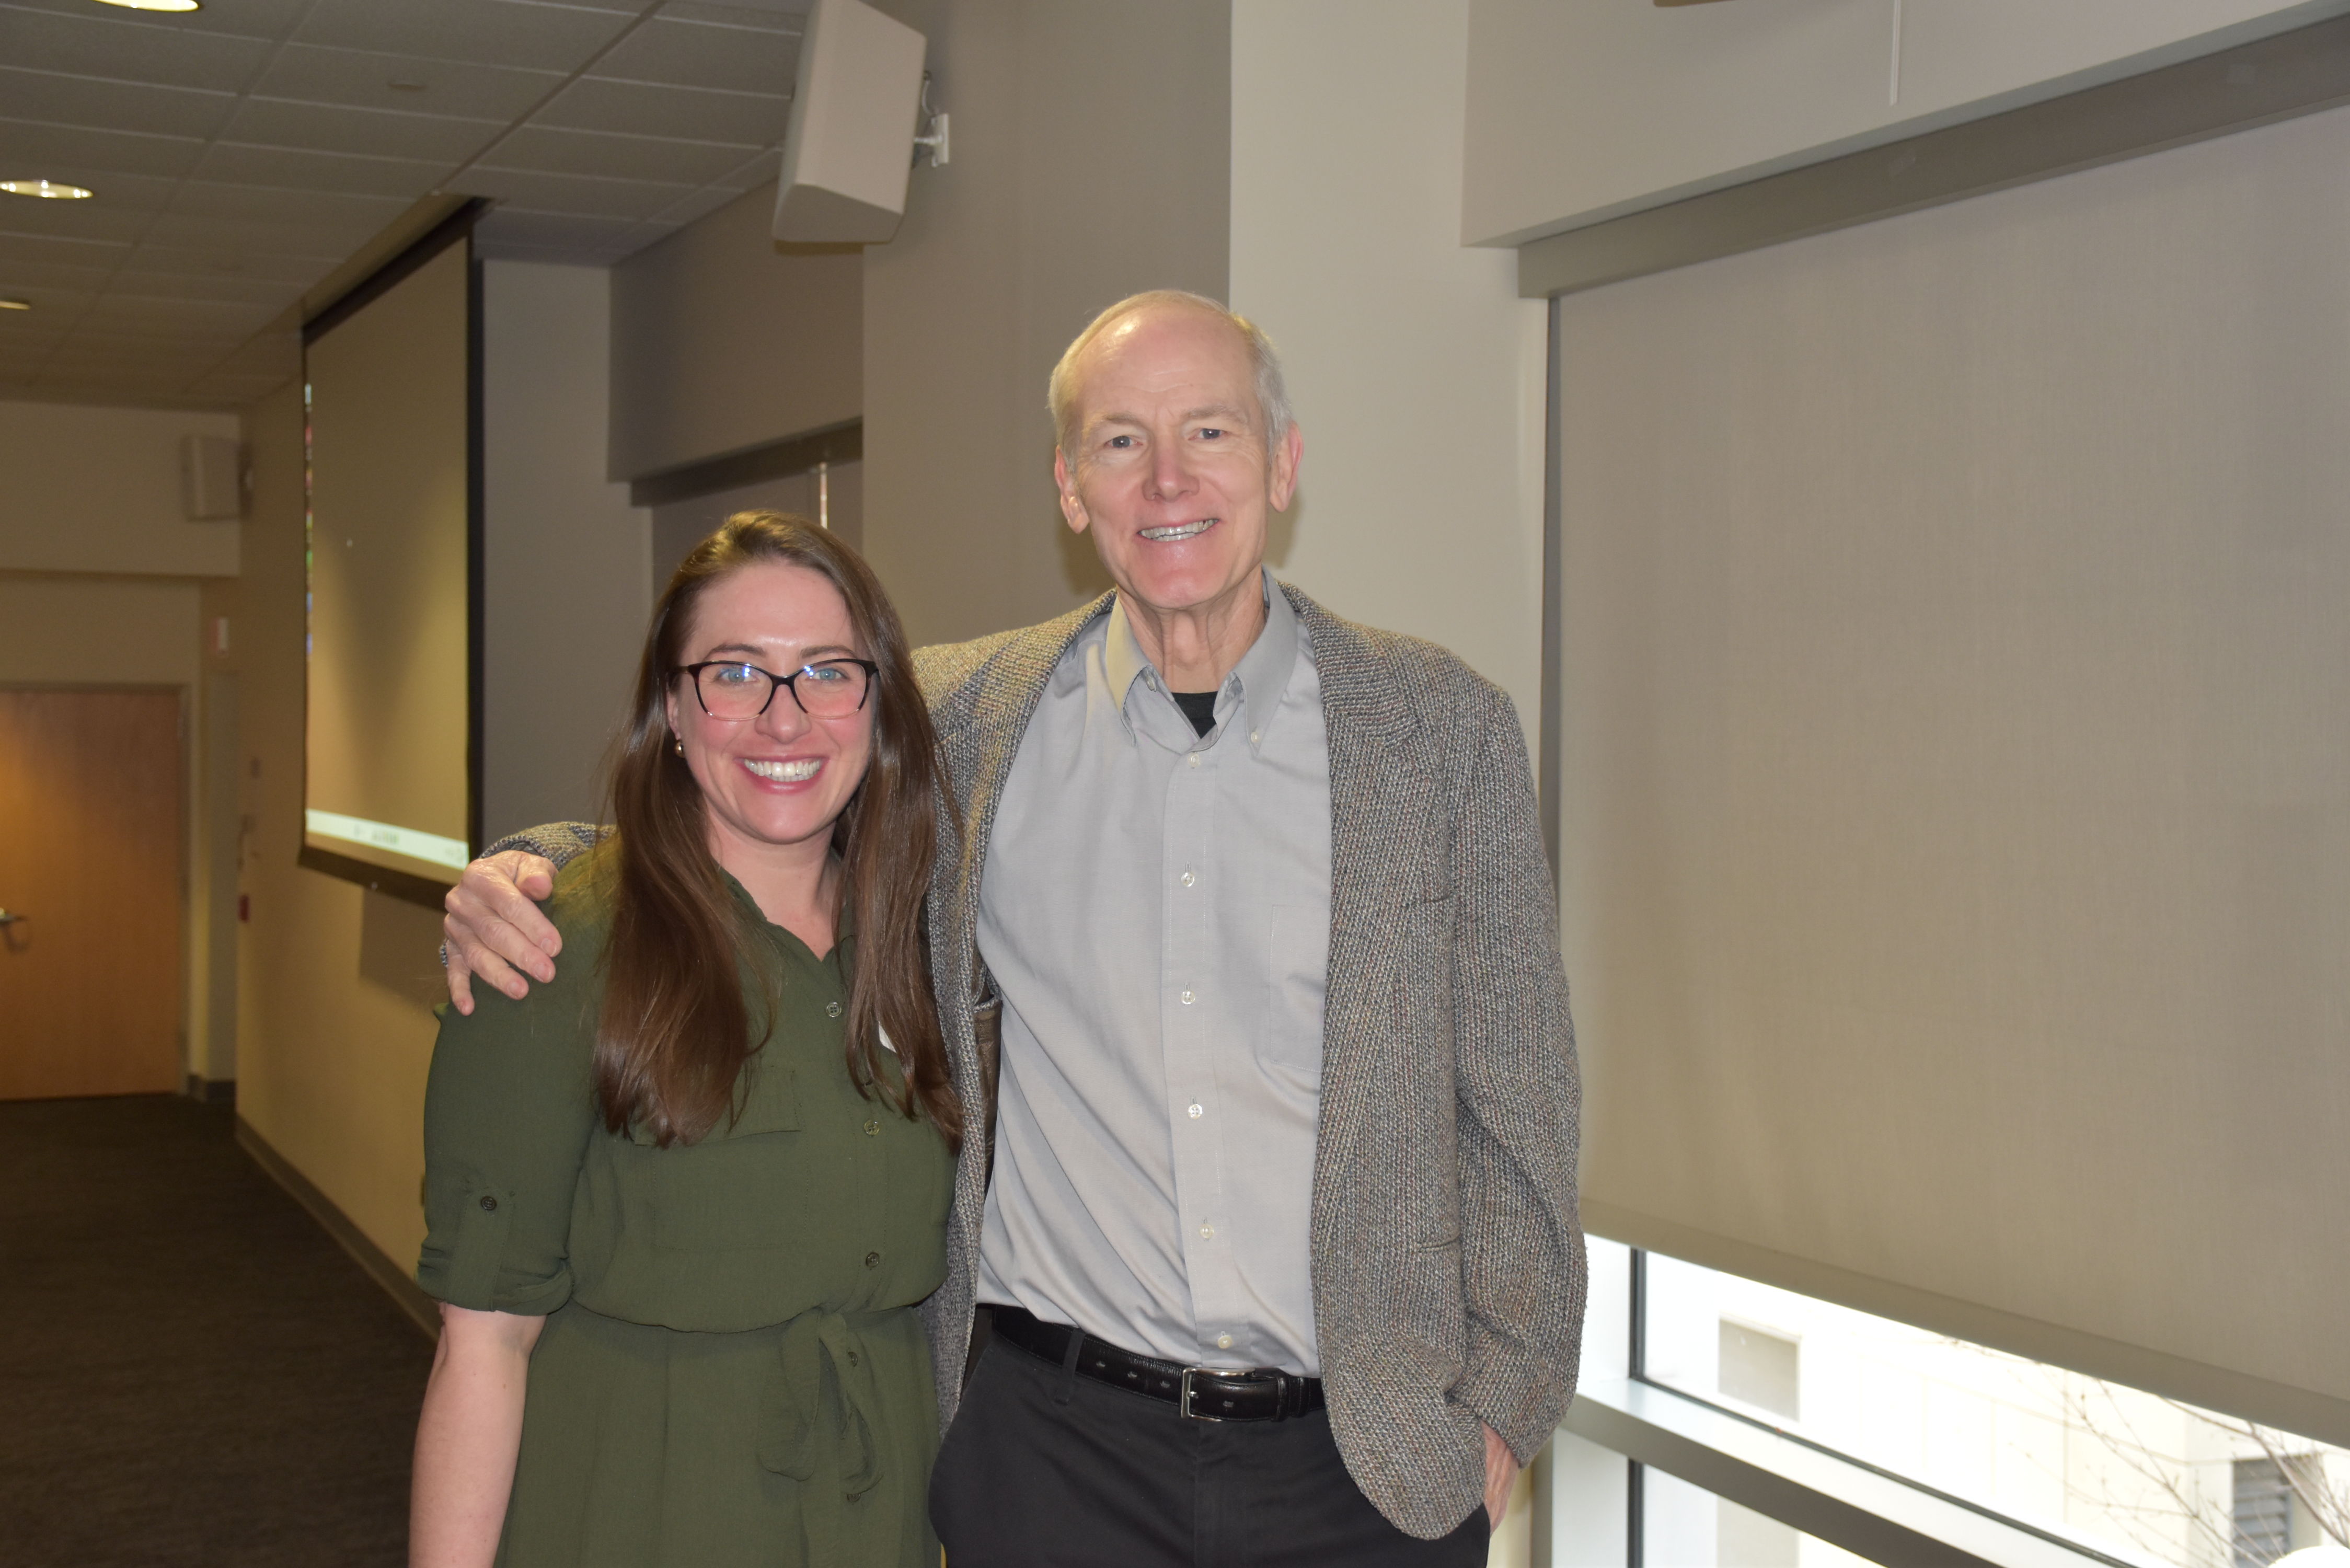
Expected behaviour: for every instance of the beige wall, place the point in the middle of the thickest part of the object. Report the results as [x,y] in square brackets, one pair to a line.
[1581,112]
[721,342]
[1090,160]
[566,556]
[334,983]
[97,490]
[1416,372]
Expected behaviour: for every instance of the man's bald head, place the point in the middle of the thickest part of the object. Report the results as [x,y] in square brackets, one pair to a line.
[1272,394]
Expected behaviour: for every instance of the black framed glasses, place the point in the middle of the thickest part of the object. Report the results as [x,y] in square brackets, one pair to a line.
[828,689]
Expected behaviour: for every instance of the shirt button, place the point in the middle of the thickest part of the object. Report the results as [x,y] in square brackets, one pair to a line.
[873,1130]
[1197,1113]
[1189,878]
[832,1010]
[1207,1232]
[872,1261]
[1224,1342]
[1192,758]
[1187,999]
[1252,737]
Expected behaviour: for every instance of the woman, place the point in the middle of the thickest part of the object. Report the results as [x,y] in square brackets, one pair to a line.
[682,1201]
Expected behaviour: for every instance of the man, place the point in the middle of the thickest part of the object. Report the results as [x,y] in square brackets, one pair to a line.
[1280,1246]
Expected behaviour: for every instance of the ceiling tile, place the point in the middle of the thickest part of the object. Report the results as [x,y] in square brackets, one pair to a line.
[100,151]
[490,31]
[101,41]
[361,78]
[322,208]
[50,248]
[16,276]
[698,55]
[119,221]
[245,18]
[700,203]
[535,191]
[551,231]
[641,109]
[113,106]
[188,320]
[775,16]
[764,169]
[242,235]
[230,261]
[402,178]
[269,122]
[272,292]
[549,151]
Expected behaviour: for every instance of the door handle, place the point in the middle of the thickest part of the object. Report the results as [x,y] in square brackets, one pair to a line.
[7,918]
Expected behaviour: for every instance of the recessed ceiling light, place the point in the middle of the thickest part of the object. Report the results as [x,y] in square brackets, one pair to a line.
[153,4]
[46,189]
[16,304]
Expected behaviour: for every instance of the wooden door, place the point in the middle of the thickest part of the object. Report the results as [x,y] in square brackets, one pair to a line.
[91,870]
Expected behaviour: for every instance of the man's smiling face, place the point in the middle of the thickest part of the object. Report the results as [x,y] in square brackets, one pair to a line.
[1170,470]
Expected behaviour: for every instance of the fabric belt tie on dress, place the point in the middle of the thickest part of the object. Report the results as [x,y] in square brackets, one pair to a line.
[825,1430]
[1200,1393]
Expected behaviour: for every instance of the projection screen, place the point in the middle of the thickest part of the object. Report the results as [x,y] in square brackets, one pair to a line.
[390,786]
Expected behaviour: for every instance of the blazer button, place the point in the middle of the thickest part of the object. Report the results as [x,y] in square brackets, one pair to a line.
[832,1010]
[873,1130]
[872,1259]
[489,1204]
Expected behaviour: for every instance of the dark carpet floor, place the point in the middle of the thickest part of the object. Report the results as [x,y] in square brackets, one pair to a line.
[190,1372]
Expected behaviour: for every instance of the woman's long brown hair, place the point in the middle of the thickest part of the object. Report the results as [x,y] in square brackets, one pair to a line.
[676,1036]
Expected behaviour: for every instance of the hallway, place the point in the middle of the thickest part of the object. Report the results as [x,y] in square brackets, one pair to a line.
[195,1373]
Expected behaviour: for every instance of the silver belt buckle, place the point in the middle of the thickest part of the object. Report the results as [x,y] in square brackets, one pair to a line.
[1183,1403]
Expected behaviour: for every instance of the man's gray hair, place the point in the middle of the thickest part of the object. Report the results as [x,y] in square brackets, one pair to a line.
[1272,393]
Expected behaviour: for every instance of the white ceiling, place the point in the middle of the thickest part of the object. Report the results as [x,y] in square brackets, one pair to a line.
[241,153]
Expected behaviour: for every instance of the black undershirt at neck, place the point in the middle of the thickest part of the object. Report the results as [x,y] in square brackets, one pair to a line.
[1200,707]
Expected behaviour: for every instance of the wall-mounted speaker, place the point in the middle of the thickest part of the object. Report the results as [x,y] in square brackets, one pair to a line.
[212,478]
[850,145]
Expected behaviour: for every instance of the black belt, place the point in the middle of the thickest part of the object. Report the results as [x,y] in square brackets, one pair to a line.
[1200,1393]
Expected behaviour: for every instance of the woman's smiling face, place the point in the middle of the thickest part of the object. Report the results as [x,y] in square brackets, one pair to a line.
[781,778]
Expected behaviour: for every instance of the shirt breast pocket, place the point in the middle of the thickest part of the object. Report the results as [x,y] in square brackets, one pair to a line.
[1297,973]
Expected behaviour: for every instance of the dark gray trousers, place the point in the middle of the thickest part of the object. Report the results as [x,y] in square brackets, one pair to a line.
[1044,1469]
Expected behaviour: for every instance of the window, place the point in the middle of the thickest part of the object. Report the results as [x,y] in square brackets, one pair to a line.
[1878,1414]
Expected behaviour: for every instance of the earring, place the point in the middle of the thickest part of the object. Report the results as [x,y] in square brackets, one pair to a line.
[677,744]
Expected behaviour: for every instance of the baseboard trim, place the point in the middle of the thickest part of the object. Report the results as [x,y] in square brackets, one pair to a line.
[211,1091]
[410,1297]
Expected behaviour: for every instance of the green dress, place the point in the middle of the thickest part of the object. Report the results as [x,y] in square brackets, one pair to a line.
[732,1370]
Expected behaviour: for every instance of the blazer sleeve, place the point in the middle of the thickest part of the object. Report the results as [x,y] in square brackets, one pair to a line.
[1523,1265]
[561,842]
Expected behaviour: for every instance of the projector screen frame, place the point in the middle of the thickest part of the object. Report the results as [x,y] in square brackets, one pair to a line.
[456,229]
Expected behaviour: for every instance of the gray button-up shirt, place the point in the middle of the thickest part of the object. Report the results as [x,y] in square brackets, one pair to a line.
[1155,909]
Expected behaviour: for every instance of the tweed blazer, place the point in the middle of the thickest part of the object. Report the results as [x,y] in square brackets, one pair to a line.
[1447,1254]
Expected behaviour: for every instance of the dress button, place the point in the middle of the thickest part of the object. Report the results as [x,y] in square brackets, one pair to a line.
[872,1259]
[489,1204]
[1187,999]
[873,1130]
[832,1010]
[1197,1113]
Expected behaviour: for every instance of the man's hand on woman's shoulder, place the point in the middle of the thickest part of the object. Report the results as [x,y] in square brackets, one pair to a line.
[494,928]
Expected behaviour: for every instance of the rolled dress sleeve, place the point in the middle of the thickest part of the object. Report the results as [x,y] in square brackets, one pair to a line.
[509,1109]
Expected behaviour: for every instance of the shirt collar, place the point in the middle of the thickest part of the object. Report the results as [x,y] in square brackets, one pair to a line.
[1262,672]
